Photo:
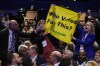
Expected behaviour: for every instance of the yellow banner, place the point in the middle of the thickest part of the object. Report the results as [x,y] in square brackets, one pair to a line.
[61,23]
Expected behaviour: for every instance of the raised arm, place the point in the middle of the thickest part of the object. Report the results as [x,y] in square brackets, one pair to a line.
[89,40]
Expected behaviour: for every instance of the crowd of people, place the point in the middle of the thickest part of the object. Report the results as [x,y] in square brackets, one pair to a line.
[30,45]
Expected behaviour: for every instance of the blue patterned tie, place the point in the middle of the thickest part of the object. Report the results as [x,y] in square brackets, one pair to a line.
[13,43]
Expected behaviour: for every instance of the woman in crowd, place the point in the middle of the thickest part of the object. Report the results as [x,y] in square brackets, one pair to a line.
[85,40]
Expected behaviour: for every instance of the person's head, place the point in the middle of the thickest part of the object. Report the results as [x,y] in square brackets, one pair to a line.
[32,7]
[13,25]
[91,63]
[14,58]
[55,57]
[24,30]
[97,56]
[82,56]
[62,45]
[70,46]
[89,11]
[27,43]
[82,22]
[33,50]
[22,50]
[31,29]
[89,27]
[67,54]
[26,23]
[41,23]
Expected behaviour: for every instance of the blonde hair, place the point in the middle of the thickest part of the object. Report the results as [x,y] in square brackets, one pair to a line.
[91,63]
[22,48]
[27,43]
[92,26]
[42,20]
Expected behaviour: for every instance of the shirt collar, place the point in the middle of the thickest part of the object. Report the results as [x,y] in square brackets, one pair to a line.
[10,31]
[57,64]
[82,64]
[34,58]
[13,65]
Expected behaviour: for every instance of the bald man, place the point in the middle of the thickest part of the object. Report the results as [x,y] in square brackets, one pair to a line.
[56,57]
[9,40]
[14,59]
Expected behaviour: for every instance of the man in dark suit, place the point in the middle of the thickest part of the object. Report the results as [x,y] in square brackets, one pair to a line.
[35,57]
[9,40]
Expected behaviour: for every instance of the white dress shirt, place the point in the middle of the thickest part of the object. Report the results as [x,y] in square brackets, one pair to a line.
[34,58]
[83,64]
[57,64]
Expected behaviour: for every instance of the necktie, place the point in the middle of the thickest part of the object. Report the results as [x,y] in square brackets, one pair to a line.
[13,43]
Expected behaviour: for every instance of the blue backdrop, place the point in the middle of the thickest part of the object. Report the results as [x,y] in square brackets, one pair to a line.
[77,6]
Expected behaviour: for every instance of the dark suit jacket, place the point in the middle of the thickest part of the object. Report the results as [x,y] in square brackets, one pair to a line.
[1,25]
[40,60]
[26,61]
[4,38]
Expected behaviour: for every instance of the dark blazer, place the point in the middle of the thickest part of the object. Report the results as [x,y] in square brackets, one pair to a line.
[64,62]
[4,38]
[40,60]
[67,62]
[26,61]
[1,25]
